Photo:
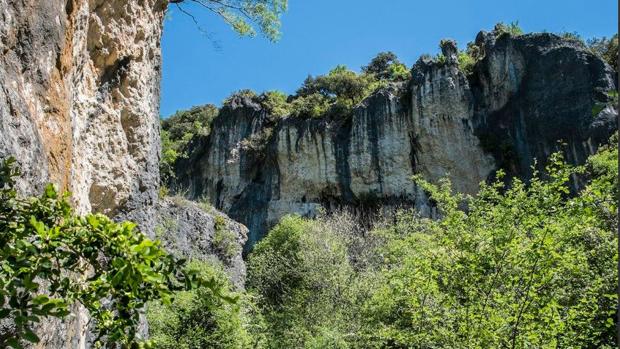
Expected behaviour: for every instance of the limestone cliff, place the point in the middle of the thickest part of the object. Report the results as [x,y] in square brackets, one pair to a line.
[527,93]
[79,92]
[79,107]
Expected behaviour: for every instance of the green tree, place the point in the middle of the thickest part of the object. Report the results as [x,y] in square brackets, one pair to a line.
[176,133]
[386,66]
[524,266]
[246,17]
[300,272]
[51,258]
[200,319]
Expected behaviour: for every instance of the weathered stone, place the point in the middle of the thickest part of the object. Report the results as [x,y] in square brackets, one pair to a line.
[190,230]
[526,94]
[79,100]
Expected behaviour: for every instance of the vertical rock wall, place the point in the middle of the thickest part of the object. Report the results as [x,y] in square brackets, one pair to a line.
[79,97]
[526,94]
[79,92]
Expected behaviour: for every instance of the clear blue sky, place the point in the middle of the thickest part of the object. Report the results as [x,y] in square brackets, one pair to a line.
[320,34]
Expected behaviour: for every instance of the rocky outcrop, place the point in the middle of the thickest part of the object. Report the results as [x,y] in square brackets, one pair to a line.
[534,90]
[79,92]
[197,231]
[79,96]
[525,95]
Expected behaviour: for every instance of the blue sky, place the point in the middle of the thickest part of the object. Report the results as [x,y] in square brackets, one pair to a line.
[317,35]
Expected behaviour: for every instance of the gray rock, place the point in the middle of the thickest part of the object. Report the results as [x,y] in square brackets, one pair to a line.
[525,95]
[79,99]
[197,231]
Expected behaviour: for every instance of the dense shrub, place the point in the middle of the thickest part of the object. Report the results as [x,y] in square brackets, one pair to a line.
[224,240]
[275,103]
[466,62]
[52,258]
[525,266]
[301,273]
[512,28]
[241,94]
[337,92]
[386,66]
[200,319]
[314,105]
[177,131]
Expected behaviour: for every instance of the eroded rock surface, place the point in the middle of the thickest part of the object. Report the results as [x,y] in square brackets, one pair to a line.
[528,93]
[197,231]
[79,96]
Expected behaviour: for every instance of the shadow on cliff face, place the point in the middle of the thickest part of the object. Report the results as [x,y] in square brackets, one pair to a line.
[523,98]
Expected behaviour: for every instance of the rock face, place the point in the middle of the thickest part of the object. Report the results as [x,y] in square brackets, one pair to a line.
[79,92]
[532,91]
[79,107]
[525,95]
[198,231]
[79,97]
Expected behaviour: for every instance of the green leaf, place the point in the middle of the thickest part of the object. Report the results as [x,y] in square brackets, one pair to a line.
[40,299]
[31,336]
[14,343]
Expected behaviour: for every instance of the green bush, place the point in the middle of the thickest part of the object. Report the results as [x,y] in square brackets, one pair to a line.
[177,131]
[466,62]
[386,66]
[276,104]
[525,266]
[52,258]
[245,93]
[200,319]
[301,272]
[314,105]
[337,92]
[512,28]
[224,240]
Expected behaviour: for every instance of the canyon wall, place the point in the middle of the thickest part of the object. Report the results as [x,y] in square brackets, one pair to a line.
[79,96]
[79,107]
[526,94]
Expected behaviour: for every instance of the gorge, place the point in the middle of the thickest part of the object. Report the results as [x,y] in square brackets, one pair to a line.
[79,108]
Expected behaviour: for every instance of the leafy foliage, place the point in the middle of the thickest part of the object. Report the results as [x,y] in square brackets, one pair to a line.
[243,94]
[386,66]
[606,48]
[527,265]
[300,272]
[224,240]
[335,93]
[466,62]
[51,258]
[177,131]
[246,17]
[276,104]
[199,318]
[512,28]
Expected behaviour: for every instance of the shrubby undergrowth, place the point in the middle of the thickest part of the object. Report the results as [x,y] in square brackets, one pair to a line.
[525,265]
[52,259]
